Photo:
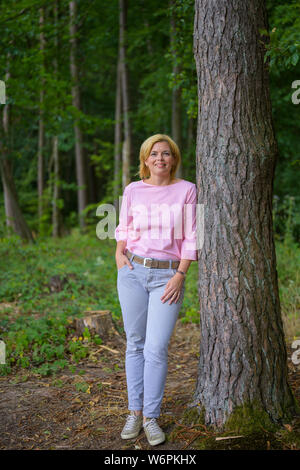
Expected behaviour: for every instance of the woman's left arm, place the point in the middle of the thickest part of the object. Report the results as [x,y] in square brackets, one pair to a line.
[188,250]
[184,265]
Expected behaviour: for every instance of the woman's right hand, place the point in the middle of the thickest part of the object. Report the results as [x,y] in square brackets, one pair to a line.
[121,260]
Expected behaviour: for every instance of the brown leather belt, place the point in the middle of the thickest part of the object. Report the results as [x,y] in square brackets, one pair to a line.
[152,262]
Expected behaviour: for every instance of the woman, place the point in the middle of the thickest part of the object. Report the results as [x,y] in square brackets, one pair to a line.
[153,255]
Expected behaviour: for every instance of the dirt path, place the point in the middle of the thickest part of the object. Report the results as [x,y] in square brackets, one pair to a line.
[86,409]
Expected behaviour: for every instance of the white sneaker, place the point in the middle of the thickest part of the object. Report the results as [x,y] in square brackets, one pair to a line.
[153,432]
[133,425]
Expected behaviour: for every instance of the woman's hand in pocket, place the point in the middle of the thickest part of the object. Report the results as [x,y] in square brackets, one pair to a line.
[121,260]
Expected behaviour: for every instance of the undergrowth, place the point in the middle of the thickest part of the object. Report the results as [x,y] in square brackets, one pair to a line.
[36,321]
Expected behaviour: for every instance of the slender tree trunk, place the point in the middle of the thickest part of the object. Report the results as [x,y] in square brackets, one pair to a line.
[13,213]
[41,123]
[144,19]
[14,216]
[190,147]
[80,164]
[118,137]
[243,359]
[127,150]
[190,135]
[91,179]
[148,40]
[56,212]
[176,93]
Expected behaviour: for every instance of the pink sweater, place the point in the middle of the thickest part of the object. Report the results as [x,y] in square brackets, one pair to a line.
[159,221]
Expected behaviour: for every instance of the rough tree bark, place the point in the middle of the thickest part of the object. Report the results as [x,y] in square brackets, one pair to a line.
[243,359]
[80,164]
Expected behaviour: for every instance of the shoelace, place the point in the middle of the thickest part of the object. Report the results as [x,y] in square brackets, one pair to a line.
[130,420]
[152,426]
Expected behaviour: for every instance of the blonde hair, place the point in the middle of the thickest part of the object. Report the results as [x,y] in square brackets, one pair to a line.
[145,150]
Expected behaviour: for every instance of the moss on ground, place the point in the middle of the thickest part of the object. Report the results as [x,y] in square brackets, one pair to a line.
[250,422]
[249,419]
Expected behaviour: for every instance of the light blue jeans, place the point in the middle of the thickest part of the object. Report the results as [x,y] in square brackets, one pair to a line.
[148,324]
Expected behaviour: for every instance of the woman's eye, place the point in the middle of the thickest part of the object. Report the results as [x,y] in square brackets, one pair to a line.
[167,154]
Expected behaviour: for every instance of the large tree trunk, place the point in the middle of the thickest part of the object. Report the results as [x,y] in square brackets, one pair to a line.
[243,359]
[127,150]
[40,158]
[80,164]
[13,213]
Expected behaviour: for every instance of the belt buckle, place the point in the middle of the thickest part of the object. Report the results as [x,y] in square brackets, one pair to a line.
[145,259]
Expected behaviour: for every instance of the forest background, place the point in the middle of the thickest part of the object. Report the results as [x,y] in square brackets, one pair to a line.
[86,84]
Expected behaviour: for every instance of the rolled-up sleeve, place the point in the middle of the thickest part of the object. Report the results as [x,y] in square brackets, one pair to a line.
[189,242]
[121,232]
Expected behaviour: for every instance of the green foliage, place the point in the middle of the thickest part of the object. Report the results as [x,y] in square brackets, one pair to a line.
[286,219]
[82,387]
[50,368]
[152,53]
[283,48]
[181,53]
[39,336]
[37,324]
[36,337]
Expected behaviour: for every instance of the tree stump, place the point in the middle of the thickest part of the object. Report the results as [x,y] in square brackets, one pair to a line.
[98,322]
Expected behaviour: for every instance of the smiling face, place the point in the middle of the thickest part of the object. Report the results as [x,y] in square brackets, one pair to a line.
[160,160]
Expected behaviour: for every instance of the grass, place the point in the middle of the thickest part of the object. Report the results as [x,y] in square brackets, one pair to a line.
[288,262]
[36,322]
